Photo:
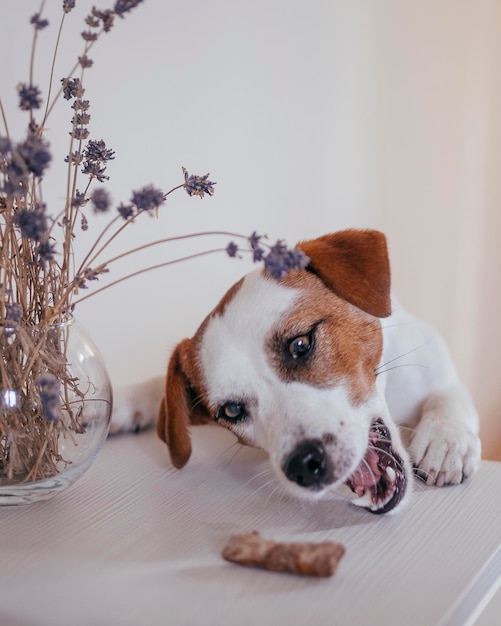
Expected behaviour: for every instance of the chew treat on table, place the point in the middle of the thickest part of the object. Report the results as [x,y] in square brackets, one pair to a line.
[305,558]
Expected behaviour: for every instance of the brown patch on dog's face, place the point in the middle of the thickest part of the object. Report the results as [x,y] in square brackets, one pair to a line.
[325,341]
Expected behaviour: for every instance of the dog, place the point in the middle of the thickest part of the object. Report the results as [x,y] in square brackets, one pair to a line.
[327,373]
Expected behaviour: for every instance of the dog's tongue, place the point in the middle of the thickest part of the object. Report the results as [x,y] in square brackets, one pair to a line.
[366,474]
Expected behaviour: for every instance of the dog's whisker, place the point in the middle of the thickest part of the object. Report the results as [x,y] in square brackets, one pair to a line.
[259,476]
[384,371]
[264,485]
[197,401]
[385,326]
[239,447]
[277,489]
[401,356]
[406,427]
[376,325]
[371,472]
[397,462]
[420,474]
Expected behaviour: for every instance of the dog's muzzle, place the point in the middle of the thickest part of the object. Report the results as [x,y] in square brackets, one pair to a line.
[379,481]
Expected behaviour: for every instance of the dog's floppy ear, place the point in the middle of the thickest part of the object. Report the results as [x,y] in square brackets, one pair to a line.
[179,408]
[354,264]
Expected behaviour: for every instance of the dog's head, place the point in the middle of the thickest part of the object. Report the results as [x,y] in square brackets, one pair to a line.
[290,366]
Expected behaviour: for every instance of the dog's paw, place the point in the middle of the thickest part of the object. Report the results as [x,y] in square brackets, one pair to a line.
[135,407]
[444,452]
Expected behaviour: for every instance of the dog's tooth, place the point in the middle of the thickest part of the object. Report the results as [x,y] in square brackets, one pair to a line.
[390,474]
[364,501]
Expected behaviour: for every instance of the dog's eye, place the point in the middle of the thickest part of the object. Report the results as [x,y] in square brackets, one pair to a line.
[300,346]
[231,412]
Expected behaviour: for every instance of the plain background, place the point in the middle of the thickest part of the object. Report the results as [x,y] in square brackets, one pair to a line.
[311,116]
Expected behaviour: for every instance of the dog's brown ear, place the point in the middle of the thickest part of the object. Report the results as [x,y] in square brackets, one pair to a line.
[354,264]
[178,408]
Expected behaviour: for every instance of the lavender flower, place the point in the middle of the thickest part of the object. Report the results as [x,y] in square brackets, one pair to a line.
[280,260]
[85,62]
[79,133]
[232,249]
[92,21]
[79,199]
[101,200]
[148,198]
[80,119]
[88,274]
[198,185]
[95,170]
[75,157]
[46,252]
[32,223]
[258,255]
[257,250]
[95,155]
[107,18]
[29,97]
[34,154]
[124,6]
[97,151]
[48,388]
[255,240]
[37,22]
[125,210]
[13,313]
[68,5]
[5,146]
[71,88]
[79,104]
[88,35]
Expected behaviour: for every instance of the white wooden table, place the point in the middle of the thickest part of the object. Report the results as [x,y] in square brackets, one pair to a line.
[138,542]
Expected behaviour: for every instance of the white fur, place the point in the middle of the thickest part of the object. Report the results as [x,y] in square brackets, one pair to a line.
[418,387]
[424,393]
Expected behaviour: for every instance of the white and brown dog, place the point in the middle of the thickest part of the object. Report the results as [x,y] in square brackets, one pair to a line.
[304,368]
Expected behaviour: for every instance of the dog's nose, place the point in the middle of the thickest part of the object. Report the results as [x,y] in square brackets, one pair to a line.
[307,464]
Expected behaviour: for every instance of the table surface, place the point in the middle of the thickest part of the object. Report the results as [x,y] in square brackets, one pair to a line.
[135,541]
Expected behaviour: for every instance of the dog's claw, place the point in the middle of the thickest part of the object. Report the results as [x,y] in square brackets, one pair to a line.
[444,453]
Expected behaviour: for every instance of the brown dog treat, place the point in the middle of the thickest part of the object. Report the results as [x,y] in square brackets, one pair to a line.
[305,558]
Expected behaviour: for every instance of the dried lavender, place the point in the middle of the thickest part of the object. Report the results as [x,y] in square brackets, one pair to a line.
[278,259]
[29,97]
[38,22]
[198,185]
[101,200]
[148,198]
[41,280]
[48,388]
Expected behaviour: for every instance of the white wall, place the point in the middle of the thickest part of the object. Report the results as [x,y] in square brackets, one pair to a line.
[311,116]
[437,157]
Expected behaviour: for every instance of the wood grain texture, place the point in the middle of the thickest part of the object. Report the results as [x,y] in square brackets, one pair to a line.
[137,542]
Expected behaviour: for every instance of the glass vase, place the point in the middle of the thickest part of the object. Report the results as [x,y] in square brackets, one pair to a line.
[55,408]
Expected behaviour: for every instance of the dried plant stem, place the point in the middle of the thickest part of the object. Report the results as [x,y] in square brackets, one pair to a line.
[163,241]
[50,107]
[53,65]
[91,256]
[29,442]
[4,119]
[149,269]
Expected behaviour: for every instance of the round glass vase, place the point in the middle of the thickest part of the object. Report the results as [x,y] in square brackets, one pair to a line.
[55,408]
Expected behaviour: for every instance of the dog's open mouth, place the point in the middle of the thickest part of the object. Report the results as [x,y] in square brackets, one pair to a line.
[380,480]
